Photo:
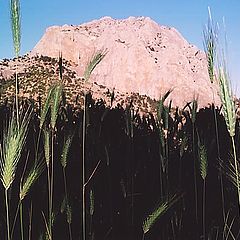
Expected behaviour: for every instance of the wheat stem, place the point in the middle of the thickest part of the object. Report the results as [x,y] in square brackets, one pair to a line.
[83,171]
[195,172]
[66,194]
[15,219]
[21,221]
[204,211]
[49,193]
[51,185]
[219,157]
[7,214]
[236,169]
[16,96]
[30,223]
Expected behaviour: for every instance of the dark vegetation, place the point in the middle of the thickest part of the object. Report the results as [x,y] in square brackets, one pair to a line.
[135,166]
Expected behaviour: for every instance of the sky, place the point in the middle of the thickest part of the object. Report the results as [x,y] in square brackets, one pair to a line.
[188,17]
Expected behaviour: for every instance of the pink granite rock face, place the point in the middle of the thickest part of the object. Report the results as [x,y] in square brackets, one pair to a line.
[142,57]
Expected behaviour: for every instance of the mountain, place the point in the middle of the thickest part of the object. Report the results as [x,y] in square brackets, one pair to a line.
[142,57]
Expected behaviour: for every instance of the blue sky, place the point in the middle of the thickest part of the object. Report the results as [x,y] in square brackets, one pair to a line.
[188,17]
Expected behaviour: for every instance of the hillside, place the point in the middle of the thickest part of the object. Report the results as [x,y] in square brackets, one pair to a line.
[143,58]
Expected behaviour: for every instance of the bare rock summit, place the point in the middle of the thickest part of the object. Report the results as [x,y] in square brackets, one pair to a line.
[142,57]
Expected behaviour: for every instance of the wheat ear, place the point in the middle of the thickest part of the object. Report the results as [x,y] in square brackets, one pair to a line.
[158,212]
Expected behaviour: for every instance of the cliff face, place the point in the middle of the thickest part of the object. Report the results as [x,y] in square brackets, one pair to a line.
[142,57]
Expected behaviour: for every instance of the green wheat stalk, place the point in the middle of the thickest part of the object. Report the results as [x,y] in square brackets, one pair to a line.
[96,59]
[25,187]
[229,115]
[47,152]
[158,212]
[46,134]
[227,101]
[162,125]
[30,179]
[52,104]
[210,46]
[11,148]
[194,109]
[16,35]
[64,160]
[202,151]
[229,171]
[91,202]
[203,163]
[160,109]
[16,25]
[193,106]
[91,210]
[55,103]
[210,40]
[46,106]
[65,151]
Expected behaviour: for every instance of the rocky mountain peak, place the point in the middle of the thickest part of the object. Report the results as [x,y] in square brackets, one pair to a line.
[142,57]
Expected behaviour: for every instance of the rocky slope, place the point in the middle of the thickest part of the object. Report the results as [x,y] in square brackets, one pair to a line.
[37,73]
[143,61]
[142,57]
